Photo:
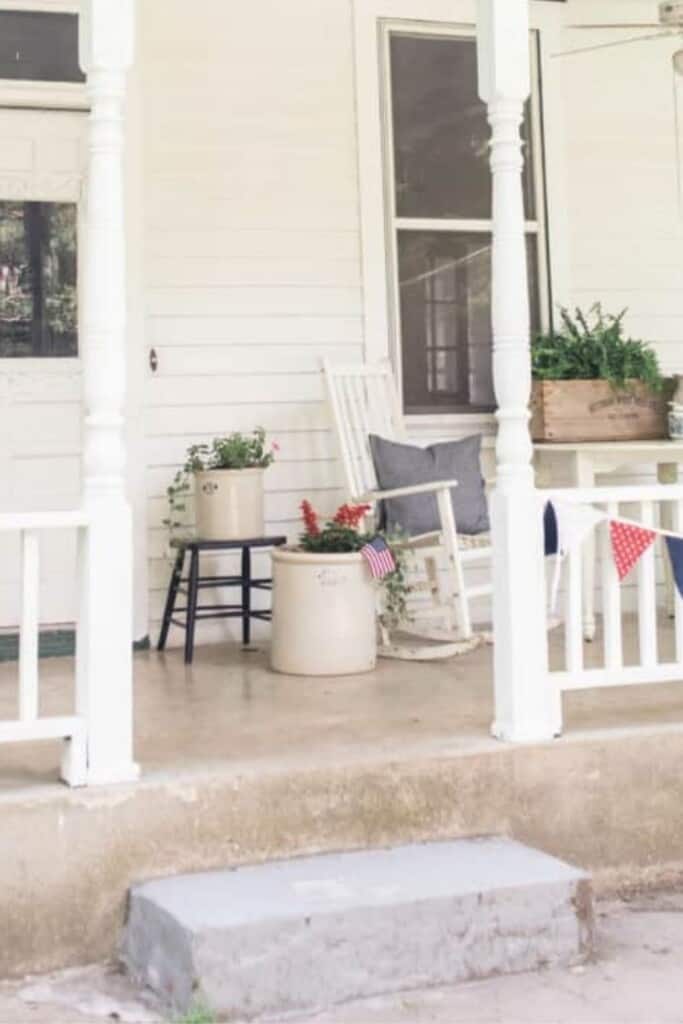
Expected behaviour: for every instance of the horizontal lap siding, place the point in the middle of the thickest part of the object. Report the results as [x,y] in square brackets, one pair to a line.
[40,429]
[626,240]
[252,243]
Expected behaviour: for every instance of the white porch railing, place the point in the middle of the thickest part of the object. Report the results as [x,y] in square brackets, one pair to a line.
[30,725]
[650,506]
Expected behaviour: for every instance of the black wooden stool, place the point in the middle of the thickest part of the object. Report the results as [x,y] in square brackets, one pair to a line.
[194,611]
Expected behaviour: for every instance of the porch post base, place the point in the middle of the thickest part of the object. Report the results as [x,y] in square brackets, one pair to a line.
[528,704]
[105,650]
[508,735]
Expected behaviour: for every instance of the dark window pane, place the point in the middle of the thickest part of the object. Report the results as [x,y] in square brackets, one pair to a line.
[38,279]
[39,47]
[441,134]
[445,293]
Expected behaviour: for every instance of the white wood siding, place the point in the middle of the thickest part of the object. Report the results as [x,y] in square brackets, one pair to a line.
[626,234]
[252,240]
[252,234]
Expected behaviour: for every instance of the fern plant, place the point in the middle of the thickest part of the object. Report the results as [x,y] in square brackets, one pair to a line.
[592,346]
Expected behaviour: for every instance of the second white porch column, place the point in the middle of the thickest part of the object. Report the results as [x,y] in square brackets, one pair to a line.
[527,709]
[105,669]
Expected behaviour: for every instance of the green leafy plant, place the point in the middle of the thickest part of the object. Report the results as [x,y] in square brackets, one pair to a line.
[232,451]
[592,346]
[396,588]
[343,534]
[340,535]
[62,309]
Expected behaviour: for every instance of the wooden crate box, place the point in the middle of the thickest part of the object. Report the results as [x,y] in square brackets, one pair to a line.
[592,410]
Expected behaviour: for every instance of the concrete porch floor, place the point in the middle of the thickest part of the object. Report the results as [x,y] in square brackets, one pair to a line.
[229,709]
[241,765]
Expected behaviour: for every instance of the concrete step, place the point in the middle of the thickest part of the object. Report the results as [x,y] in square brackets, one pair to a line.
[313,932]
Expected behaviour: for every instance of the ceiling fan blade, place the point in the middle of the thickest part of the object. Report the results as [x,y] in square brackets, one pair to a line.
[679,153]
[612,45]
[588,27]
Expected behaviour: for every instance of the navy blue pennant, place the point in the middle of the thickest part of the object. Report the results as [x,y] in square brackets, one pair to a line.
[551,541]
[675,548]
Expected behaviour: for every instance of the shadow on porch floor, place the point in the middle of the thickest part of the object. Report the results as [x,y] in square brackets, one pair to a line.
[228,708]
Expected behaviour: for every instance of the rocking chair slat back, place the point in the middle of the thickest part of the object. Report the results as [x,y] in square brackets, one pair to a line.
[363,401]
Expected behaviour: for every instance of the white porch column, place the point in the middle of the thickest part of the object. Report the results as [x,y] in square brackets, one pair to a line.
[105,670]
[526,707]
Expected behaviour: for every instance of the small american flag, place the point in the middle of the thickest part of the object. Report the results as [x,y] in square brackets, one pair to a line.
[377,554]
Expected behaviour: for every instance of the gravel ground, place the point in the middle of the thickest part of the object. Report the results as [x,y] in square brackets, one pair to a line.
[636,978]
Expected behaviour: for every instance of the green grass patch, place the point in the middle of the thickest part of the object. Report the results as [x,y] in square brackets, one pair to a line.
[197,1015]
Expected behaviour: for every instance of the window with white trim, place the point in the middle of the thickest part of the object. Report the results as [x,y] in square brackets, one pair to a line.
[439,219]
[39,46]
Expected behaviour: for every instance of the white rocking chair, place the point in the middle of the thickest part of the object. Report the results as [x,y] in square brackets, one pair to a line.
[364,401]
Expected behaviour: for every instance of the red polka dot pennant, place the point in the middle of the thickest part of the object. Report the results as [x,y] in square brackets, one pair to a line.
[628,544]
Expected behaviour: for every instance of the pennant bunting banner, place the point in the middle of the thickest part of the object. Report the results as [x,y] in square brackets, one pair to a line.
[551,542]
[575,523]
[566,526]
[674,546]
[628,544]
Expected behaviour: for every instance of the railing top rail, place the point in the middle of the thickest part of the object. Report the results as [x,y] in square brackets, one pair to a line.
[17,521]
[599,495]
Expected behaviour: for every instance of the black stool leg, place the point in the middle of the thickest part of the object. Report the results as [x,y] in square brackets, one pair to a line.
[246,596]
[171,598]
[192,594]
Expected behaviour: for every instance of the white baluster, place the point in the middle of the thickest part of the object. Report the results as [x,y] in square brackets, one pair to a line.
[105,641]
[573,630]
[527,704]
[647,595]
[611,598]
[28,632]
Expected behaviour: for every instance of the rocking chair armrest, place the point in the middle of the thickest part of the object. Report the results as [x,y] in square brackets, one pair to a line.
[401,492]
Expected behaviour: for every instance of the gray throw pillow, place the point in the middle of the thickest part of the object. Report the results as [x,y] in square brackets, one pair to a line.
[400,465]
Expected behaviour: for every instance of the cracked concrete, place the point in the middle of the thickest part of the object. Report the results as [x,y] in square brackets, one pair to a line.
[635,978]
[87,995]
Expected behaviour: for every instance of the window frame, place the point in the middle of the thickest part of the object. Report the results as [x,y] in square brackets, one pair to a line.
[451,225]
[71,357]
[49,97]
[70,189]
[375,20]
[18,93]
